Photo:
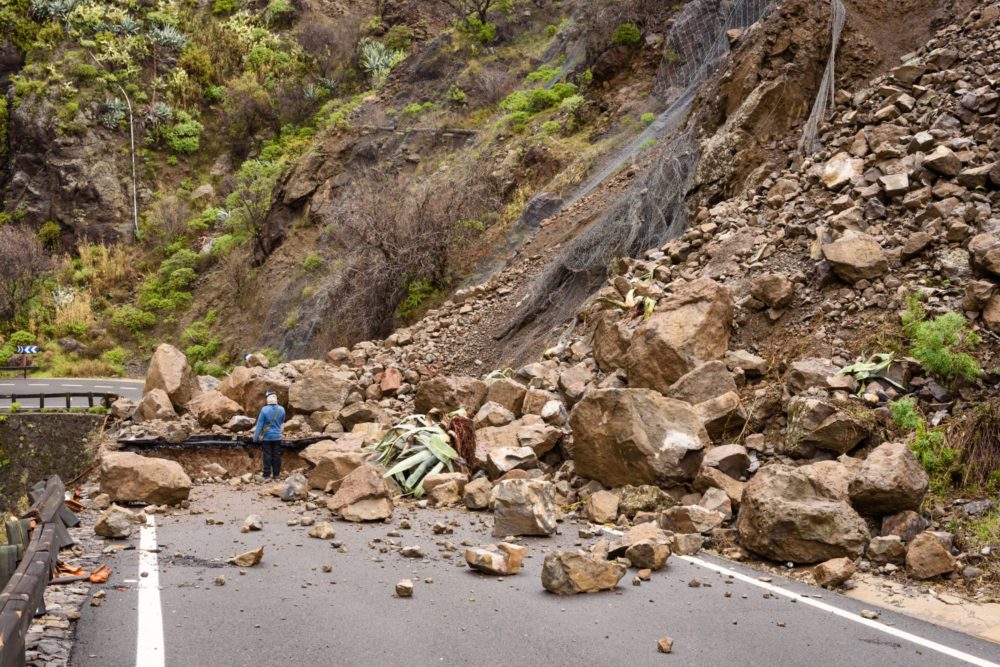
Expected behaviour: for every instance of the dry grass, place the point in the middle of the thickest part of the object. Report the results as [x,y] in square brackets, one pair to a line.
[109,267]
[76,311]
[976,435]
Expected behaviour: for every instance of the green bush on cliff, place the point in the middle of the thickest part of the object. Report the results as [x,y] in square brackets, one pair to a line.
[184,136]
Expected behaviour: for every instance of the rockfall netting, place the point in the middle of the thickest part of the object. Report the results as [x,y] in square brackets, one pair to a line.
[809,143]
[653,209]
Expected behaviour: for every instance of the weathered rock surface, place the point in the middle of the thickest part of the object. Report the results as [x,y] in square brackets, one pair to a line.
[130,477]
[926,557]
[448,394]
[363,496]
[507,562]
[834,572]
[115,523]
[602,507]
[476,494]
[687,329]
[213,407]
[856,257]
[636,436]
[524,507]
[332,461]
[321,388]
[569,573]
[784,517]
[169,370]
[890,480]
[155,404]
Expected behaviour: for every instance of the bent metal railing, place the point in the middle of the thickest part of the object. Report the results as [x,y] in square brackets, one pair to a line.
[22,597]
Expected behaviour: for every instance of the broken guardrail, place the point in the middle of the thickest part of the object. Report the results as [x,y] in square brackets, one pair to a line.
[36,538]
[212,442]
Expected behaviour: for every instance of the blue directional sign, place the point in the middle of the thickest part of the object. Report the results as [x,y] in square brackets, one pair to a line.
[27,349]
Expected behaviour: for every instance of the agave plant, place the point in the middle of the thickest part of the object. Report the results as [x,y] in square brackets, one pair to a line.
[642,304]
[874,368]
[413,449]
[168,36]
[378,60]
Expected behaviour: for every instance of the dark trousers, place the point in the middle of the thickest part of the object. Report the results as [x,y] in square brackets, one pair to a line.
[272,458]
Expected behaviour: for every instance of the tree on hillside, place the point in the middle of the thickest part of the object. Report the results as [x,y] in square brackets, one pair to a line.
[478,8]
[23,261]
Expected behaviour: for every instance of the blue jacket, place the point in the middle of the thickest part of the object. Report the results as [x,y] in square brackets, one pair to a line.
[269,421]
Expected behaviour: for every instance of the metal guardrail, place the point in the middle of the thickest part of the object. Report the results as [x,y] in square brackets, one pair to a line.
[106,398]
[22,598]
[20,369]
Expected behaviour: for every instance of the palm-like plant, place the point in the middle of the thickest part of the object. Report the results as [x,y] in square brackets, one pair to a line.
[413,449]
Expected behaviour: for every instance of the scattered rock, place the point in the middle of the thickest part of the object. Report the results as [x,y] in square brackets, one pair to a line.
[926,557]
[115,523]
[323,531]
[404,588]
[363,496]
[524,507]
[890,480]
[834,572]
[252,522]
[665,645]
[503,564]
[602,507]
[249,558]
[569,573]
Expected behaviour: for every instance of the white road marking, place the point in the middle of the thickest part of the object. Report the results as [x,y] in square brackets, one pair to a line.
[103,386]
[851,616]
[7,384]
[149,651]
[38,384]
[72,385]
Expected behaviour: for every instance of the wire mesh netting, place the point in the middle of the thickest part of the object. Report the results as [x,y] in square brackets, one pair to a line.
[653,209]
[809,142]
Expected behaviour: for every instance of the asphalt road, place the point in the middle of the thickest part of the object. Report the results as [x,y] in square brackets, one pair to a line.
[287,611]
[8,385]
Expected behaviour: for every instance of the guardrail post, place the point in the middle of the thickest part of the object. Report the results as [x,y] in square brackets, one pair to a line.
[68,401]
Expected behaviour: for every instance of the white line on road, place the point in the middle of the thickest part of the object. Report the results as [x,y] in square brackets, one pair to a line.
[38,384]
[851,616]
[103,386]
[149,650]
[72,385]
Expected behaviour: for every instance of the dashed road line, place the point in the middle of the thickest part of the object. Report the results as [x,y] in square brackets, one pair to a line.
[149,650]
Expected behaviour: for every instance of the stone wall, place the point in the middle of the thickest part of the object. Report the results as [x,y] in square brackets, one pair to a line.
[35,446]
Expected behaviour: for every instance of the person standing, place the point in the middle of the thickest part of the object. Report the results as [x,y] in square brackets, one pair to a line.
[268,432]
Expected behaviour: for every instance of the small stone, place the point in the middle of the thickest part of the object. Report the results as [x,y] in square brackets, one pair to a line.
[404,588]
[869,614]
[252,522]
[220,580]
[327,568]
[323,531]
[665,645]
[412,552]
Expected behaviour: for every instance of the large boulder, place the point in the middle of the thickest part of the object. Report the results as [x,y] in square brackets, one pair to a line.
[363,496]
[448,394]
[927,557]
[703,383]
[569,573]
[169,370]
[333,461]
[128,477]
[855,257]
[643,498]
[507,393]
[636,436]
[321,388]
[785,517]
[155,404]
[687,329]
[890,480]
[248,387]
[831,478]
[816,423]
[611,341]
[213,407]
[524,507]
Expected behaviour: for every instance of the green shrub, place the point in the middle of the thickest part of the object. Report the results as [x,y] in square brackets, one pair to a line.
[184,136]
[483,32]
[417,292]
[518,121]
[132,318]
[647,119]
[551,30]
[928,445]
[21,338]
[115,357]
[941,345]
[279,11]
[551,127]
[456,95]
[15,406]
[398,37]
[312,262]
[225,6]
[83,72]
[572,103]
[627,34]
[543,74]
[50,234]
